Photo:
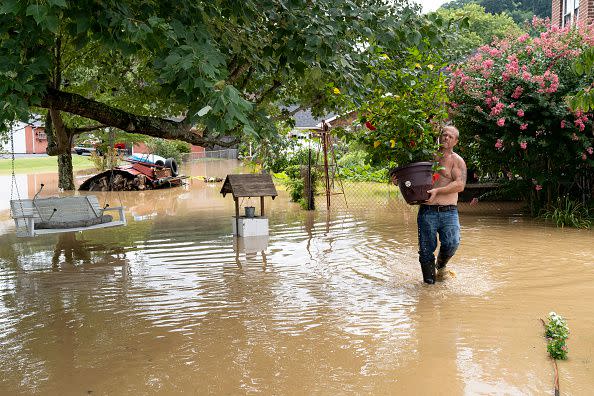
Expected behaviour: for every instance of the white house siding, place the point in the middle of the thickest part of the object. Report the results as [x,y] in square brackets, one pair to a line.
[20,144]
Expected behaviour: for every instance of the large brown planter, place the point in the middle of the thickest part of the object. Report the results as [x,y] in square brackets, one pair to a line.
[414,180]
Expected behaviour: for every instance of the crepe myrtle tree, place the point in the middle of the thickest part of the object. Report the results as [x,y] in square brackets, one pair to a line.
[510,102]
[191,70]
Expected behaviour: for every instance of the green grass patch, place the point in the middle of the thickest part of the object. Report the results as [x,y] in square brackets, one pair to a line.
[42,164]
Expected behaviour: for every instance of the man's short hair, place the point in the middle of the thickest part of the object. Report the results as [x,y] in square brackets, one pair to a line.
[451,128]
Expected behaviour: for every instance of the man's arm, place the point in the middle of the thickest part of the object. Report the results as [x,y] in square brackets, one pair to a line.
[458,181]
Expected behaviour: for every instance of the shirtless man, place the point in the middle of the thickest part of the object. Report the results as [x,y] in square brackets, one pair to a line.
[439,214]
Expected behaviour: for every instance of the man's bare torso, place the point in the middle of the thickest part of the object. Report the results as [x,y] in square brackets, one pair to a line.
[451,169]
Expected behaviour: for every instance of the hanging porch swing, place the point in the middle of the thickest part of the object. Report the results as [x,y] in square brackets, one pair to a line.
[39,216]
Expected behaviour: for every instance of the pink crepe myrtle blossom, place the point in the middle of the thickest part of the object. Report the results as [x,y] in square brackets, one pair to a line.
[538,187]
[520,113]
[497,109]
[494,52]
[517,92]
[584,156]
[513,67]
[499,144]
[574,137]
[580,124]
[563,124]
[523,145]
[523,38]
[590,150]
[537,22]
[501,122]
[488,63]
[523,127]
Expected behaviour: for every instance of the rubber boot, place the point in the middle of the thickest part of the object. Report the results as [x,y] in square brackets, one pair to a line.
[428,270]
[442,261]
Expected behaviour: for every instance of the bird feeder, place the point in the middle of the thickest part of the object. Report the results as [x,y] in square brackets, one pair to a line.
[249,186]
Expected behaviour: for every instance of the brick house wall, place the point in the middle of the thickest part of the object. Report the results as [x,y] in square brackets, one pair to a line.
[556,12]
[35,140]
[585,13]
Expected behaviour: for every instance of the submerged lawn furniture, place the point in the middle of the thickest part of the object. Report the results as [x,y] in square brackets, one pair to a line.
[136,175]
[52,215]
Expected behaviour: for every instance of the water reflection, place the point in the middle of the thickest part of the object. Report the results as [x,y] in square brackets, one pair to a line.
[328,303]
[250,247]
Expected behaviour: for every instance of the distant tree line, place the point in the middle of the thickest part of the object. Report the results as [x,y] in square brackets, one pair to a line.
[521,10]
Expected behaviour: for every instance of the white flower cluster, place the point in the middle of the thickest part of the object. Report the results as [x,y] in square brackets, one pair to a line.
[557,319]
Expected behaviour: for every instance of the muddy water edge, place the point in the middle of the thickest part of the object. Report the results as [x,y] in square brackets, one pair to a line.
[330,303]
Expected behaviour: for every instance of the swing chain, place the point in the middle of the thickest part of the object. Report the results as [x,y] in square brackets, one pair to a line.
[14,185]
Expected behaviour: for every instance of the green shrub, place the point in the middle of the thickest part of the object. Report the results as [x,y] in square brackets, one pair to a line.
[168,148]
[566,212]
[106,161]
[182,147]
[352,158]
[363,173]
[295,183]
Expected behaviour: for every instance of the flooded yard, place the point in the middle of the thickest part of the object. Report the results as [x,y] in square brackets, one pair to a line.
[331,303]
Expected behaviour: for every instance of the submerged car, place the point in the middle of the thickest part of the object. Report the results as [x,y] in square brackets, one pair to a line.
[85,150]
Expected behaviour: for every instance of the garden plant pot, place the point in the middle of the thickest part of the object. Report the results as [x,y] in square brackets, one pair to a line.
[414,180]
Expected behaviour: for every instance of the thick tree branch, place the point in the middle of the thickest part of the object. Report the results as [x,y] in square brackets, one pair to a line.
[238,72]
[111,116]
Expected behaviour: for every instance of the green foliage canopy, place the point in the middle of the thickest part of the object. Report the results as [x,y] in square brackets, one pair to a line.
[483,28]
[520,10]
[222,66]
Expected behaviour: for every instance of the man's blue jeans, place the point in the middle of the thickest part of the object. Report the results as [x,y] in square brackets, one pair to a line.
[431,223]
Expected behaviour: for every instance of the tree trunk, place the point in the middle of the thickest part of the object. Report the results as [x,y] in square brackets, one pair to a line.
[65,173]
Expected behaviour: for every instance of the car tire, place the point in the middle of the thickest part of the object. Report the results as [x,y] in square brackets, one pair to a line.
[171,163]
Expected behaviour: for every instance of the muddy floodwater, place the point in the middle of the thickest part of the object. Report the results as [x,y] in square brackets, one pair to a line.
[331,303]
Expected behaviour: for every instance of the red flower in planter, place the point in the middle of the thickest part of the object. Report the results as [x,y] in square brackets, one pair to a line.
[412,143]
[434,178]
[370,126]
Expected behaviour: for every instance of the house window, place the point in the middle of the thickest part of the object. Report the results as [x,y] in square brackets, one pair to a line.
[570,12]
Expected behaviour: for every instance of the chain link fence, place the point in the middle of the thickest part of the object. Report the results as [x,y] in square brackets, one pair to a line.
[226,154]
[349,194]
